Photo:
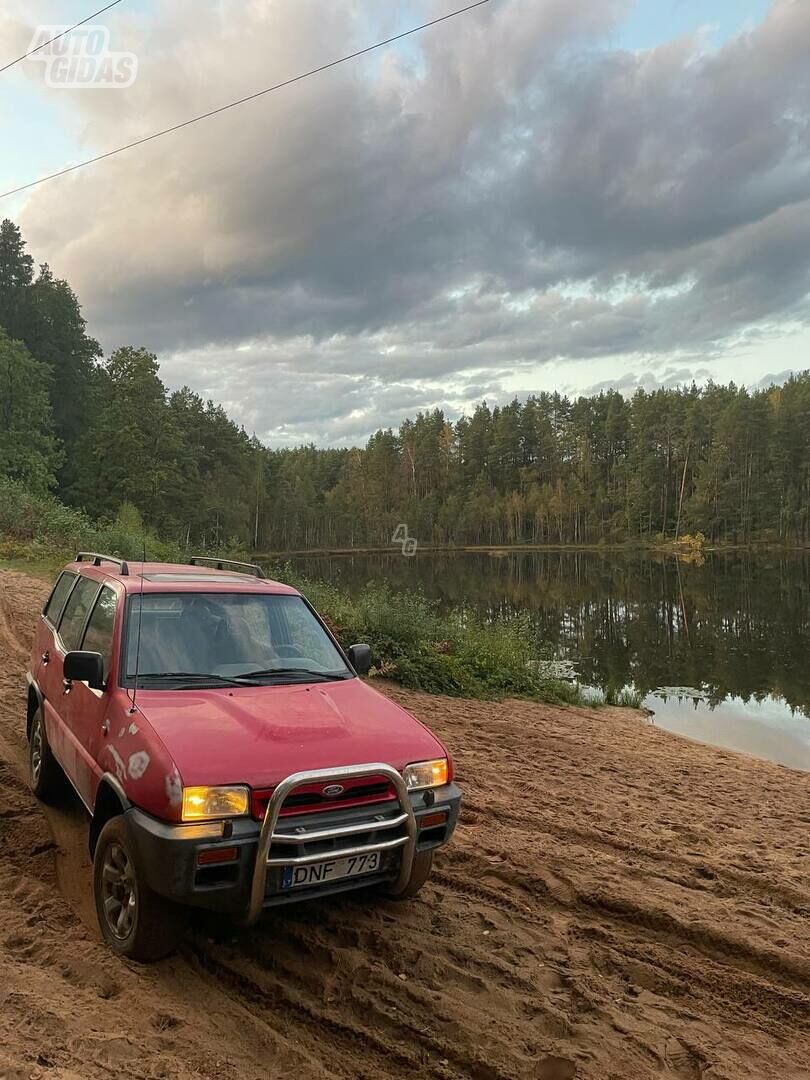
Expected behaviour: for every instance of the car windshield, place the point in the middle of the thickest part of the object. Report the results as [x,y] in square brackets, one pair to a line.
[191,638]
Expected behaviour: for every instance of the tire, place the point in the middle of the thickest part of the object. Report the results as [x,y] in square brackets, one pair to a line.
[44,772]
[134,920]
[420,872]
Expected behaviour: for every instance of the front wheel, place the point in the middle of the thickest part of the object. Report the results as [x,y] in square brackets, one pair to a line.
[136,922]
[420,872]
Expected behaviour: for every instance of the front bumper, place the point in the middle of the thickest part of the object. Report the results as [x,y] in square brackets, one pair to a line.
[170,854]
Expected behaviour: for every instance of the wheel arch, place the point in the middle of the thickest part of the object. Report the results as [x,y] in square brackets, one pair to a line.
[111,801]
[35,701]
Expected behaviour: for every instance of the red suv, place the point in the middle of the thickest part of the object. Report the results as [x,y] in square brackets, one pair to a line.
[226,750]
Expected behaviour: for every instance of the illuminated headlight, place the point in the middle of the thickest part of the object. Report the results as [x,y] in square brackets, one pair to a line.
[425,774]
[206,803]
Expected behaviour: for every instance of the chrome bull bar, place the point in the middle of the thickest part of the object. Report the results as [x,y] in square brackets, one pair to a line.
[268,835]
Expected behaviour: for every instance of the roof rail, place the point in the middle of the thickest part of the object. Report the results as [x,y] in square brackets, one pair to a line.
[223,564]
[97,560]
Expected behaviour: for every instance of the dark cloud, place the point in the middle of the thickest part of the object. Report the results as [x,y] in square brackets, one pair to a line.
[424,225]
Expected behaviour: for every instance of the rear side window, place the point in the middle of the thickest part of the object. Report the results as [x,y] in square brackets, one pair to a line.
[79,603]
[99,633]
[56,601]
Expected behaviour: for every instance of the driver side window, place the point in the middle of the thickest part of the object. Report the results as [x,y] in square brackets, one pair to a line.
[99,633]
[73,618]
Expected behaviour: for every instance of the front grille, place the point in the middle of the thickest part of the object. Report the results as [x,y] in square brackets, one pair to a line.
[309,798]
[298,834]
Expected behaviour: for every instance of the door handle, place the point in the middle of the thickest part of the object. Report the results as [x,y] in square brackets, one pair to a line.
[45,658]
[66,686]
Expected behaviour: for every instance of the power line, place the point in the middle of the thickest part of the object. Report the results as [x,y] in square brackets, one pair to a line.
[243,100]
[56,37]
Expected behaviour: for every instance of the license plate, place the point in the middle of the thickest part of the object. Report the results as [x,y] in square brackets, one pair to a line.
[294,877]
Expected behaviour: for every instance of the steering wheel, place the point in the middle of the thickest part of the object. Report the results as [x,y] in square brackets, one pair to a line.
[291,649]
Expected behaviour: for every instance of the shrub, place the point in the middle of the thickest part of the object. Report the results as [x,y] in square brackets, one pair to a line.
[416,645]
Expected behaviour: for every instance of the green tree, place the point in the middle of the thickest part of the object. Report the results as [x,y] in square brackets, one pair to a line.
[16,275]
[28,449]
[54,331]
[128,453]
[45,315]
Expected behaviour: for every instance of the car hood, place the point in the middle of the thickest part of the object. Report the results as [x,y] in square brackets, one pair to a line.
[259,735]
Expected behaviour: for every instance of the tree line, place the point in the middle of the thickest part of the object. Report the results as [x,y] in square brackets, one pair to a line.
[102,432]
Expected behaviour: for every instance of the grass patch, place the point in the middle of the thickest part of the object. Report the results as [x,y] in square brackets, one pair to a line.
[40,529]
[626,697]
[42,569]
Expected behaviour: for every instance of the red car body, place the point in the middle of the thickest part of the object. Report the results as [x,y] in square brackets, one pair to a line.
[132,750]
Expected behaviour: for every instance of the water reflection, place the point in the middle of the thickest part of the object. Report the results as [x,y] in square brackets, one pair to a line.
[767,728]
[738,626]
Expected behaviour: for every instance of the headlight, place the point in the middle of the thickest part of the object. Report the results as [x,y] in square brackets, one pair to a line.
[205,803]
[426,774]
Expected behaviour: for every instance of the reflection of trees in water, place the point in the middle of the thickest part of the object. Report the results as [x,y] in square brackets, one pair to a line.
[739,624]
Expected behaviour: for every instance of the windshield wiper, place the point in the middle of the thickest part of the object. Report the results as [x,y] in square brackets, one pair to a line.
[269,673]
[189,676]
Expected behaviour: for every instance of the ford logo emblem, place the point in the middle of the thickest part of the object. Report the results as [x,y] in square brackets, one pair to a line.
[333,790]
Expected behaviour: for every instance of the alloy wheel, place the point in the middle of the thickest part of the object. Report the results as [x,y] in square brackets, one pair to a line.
[119,892]
[36,749]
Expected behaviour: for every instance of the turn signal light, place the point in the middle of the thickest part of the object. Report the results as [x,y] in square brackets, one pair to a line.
[430,821]
[217,855]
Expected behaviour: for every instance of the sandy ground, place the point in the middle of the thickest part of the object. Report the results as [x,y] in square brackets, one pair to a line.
[618,903]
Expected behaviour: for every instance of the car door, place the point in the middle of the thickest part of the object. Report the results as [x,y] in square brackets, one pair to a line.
[86,707]
[44,636]
[68,636]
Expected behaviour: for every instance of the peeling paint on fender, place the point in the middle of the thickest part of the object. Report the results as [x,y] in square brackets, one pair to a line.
[138,764]
[120,767]
[174,788]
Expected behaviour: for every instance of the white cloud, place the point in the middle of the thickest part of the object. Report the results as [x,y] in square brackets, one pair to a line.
[505,202]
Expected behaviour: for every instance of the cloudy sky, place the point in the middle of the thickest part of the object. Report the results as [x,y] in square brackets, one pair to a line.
[537,195]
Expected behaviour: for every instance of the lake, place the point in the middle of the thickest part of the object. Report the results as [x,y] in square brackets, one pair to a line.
[721,650]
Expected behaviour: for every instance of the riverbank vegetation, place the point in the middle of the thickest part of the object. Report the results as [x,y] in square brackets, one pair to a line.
[452,652]
[413,643]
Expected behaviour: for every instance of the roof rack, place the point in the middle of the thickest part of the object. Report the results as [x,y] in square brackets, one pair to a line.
[223,564]
[97,560]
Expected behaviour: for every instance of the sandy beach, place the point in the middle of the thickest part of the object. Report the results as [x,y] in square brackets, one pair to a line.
[618,903]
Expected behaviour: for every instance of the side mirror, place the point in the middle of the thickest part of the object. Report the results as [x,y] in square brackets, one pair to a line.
[85,667]
[360,658]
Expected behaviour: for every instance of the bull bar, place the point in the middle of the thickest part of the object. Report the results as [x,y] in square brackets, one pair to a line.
[268,835]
